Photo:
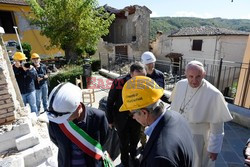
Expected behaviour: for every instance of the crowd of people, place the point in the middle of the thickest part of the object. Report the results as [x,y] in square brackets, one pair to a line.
[189,133]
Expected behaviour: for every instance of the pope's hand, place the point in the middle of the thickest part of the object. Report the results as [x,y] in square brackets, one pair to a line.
[213,156]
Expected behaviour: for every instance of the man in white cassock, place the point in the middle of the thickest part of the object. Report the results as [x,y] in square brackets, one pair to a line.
[205,109]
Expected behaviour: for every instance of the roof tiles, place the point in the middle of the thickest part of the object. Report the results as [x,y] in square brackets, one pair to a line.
[14,2]
[206,31]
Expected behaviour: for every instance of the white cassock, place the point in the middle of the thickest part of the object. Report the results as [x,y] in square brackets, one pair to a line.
[206,111]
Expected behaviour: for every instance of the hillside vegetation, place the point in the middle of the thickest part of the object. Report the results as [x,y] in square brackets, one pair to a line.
[172,24]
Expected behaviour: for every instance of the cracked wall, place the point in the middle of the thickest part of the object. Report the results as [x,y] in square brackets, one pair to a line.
[130,31]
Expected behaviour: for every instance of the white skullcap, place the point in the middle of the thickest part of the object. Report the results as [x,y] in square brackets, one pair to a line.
[195,63]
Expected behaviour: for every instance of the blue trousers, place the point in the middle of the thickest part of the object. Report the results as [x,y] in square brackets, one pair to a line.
[30,98]
[42,93]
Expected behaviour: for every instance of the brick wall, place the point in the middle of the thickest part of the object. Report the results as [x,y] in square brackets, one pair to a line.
[8,96]
[6,103]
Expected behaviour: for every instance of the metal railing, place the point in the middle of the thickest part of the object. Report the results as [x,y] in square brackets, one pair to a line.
[224,75]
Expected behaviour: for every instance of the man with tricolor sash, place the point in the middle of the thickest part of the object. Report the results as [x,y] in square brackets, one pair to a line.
[77,130]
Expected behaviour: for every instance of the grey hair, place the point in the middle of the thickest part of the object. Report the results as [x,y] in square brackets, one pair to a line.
[137,66]
[196,64]
[155,108]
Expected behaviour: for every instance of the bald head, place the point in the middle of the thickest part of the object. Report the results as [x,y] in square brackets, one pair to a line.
[195,72]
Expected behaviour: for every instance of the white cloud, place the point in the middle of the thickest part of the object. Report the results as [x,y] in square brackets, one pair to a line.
[192,14]
[247,16]
[154,14]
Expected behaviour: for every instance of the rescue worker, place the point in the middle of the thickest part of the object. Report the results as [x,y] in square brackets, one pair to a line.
[170,142]
[128,129]
[148,59]
[41,83]
[25,75]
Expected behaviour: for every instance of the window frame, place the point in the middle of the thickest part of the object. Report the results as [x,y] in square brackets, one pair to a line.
[197,45]
[9,15]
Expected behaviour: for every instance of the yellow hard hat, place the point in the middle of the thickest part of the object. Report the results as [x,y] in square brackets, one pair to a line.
[35,56]
[19,56]
[140,92]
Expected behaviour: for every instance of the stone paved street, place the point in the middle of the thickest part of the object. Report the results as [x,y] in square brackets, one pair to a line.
[234,141]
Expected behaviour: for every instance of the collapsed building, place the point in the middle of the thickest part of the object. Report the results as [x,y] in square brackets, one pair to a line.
[128,34]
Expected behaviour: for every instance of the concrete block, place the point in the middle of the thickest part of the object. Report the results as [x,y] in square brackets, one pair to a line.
[7,144]
[12,161]
[26,141]
[37,154]
[108,74]
[7,139]
[17,131]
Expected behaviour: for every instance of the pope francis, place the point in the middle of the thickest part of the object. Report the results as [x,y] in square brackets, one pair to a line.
[204,107]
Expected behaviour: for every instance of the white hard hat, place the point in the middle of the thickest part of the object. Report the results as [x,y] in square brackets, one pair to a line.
[147,58]
[63,101]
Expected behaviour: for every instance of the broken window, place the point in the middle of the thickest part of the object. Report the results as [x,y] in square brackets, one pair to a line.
[197,45]
[7,21]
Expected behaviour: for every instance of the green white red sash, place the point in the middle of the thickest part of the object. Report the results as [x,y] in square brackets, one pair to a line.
[86,143]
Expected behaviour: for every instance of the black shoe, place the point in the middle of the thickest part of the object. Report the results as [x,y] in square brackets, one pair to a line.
[43,111]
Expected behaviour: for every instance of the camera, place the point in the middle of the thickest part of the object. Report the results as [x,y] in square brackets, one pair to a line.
[26,65]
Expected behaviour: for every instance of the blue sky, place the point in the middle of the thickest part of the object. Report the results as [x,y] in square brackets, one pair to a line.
[238,9]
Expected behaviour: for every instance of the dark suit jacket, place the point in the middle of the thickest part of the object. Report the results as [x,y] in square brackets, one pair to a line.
[115,102]
[25,79]
[97,128]
[158,77]
[170,143]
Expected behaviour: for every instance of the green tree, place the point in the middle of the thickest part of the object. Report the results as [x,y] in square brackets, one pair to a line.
[71,24]
[26,49]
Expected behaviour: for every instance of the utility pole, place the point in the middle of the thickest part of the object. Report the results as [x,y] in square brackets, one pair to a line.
[18,38]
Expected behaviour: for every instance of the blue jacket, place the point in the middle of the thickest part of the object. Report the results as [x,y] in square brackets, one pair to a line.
[158,77]
[170,143]
[97,128]
[25,79]
[41,71]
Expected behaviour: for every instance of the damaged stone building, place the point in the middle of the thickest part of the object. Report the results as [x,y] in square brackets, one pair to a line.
[128,35]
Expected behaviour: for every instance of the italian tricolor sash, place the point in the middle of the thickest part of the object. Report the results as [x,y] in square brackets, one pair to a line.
[86,143]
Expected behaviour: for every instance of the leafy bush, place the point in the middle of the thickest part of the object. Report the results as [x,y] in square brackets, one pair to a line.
[26,49]
[90,50]
[68,74]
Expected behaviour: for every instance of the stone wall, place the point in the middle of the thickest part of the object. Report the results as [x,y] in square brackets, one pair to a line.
[135,25]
